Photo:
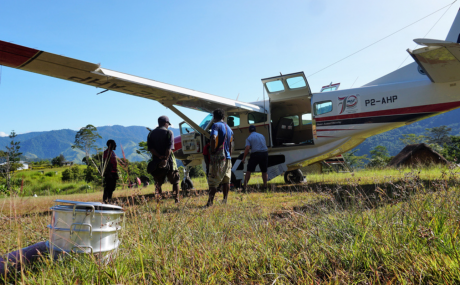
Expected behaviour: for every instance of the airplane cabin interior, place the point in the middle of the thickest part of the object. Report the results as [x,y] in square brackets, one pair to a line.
[291,122]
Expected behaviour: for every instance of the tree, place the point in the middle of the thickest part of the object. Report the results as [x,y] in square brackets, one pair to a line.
[452,151]
[85,140]
[379,157]
[12,157]
[438,135]
[353,160]
[58,160]
[408,139]
[144,150]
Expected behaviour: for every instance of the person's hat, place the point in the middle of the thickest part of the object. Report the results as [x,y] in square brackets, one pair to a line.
[252,128]
[163,119]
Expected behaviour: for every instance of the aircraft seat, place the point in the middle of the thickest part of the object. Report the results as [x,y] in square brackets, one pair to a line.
[284,131]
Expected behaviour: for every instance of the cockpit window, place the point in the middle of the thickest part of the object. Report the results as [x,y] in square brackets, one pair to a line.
[206,121]
[296,82]
[275,86]
[256,117]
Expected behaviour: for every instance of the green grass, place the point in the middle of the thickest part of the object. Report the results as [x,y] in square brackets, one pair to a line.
[370,227]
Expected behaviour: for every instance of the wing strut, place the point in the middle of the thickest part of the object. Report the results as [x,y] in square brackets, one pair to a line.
[188,121]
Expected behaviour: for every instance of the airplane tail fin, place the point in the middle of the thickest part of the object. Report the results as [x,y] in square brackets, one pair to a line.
[423,59]
[454,33]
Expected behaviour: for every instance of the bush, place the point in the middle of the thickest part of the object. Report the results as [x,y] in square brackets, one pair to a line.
[67,175]
[69,187]
[72,174]
[50,174]
[90,174]
[3,189]
[84,187]
[77,173]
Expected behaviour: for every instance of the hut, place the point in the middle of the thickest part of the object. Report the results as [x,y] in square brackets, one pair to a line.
[417,155]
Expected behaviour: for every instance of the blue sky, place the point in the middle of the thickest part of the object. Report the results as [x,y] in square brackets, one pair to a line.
[219,47]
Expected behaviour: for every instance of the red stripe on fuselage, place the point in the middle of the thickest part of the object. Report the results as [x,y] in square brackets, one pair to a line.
[327,130]
[13,55]
[177,143]
[399,111]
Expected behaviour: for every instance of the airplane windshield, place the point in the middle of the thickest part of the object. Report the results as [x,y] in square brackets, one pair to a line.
[206,121]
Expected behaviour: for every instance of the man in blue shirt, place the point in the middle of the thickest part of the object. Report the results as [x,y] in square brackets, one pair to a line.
[220,165]
[259,155]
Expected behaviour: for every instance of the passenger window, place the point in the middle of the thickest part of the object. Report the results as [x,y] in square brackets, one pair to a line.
[323,107]
[296,82]
[295,119]
[233,119]
[275,86]
[255,118]
[306,119]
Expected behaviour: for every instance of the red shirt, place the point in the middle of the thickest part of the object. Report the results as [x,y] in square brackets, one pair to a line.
[206,152]
[112,163]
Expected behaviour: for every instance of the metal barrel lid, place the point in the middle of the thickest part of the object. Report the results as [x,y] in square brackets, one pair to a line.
[77,202]
[96,205]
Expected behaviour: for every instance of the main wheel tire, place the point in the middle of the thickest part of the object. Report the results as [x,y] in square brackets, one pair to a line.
[293,177]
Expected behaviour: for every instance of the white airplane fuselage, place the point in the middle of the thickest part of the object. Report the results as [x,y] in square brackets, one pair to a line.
[372,110]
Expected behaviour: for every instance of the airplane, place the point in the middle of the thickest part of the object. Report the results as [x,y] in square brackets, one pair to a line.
[300,127]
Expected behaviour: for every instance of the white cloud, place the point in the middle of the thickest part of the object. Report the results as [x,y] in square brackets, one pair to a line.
[2,134]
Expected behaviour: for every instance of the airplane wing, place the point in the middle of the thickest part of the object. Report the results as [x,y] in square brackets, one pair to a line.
[440,60]
[54,65]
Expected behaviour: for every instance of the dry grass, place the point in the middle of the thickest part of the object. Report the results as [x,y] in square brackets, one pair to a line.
[388,227]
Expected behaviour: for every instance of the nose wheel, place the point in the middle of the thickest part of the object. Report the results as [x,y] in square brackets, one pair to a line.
[293,177]
[186,185]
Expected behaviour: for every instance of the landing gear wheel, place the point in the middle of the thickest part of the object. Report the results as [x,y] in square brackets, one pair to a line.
[186,185]
[236,183]
[293,177]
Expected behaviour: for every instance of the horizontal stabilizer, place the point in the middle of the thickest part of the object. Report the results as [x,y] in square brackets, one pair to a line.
[439,59]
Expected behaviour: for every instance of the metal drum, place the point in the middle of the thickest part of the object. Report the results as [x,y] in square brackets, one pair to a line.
[85,227]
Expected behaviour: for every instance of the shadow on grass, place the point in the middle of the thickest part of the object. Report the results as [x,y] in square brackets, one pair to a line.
[353,195]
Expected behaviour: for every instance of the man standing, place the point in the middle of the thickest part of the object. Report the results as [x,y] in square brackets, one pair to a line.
[160,143]
[220,165]
[259,155]
[111,171]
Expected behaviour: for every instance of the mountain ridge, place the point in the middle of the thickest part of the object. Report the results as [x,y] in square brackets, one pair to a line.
[49,144]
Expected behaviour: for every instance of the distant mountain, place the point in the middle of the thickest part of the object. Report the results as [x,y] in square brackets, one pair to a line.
[52,143]
[46,145]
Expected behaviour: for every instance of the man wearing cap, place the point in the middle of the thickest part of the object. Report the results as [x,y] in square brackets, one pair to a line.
[259,155]
[110,171]
[160,143]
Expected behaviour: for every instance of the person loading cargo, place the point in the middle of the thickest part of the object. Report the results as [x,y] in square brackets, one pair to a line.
[259,156]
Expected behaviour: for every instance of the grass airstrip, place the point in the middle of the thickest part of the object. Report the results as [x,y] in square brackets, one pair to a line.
[367,227]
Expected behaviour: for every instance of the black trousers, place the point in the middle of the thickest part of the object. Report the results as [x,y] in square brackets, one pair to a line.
[109,186]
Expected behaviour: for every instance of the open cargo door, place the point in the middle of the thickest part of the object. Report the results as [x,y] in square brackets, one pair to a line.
[290,109]
[287,86]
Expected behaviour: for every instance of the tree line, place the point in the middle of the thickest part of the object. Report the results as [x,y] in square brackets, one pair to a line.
[438,138]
